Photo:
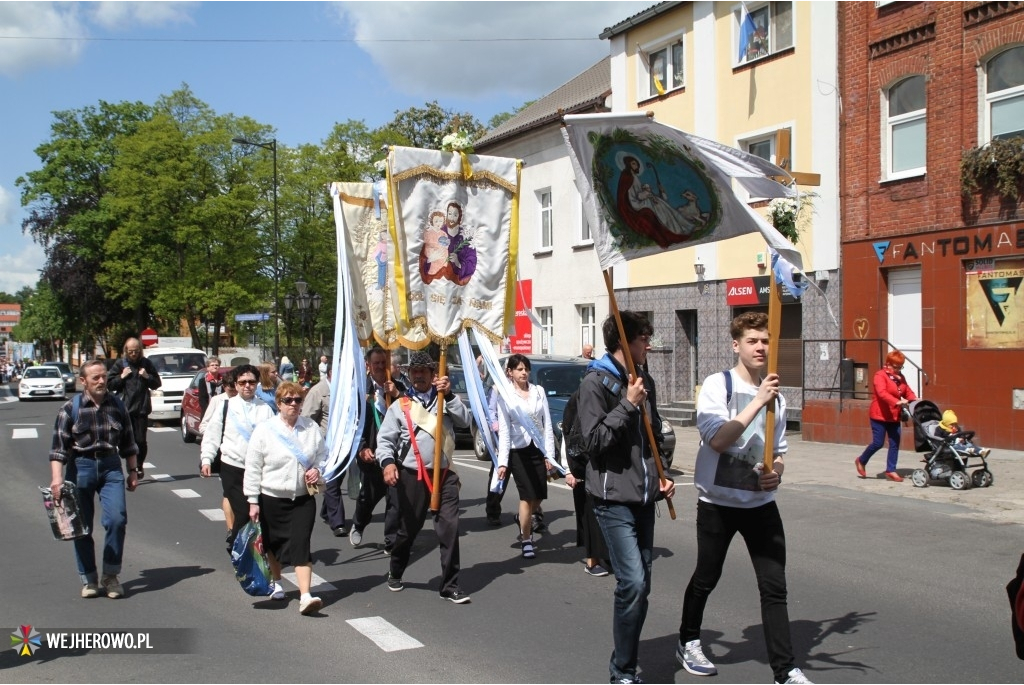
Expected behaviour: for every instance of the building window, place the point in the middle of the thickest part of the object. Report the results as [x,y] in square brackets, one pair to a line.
[547,329]
[1004,94]
[585,235]
[588,325]
[905,128]
[546,219]
[663,68]
[763,30]
[763,147]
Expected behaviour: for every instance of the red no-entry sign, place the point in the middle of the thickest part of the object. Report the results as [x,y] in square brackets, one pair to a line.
[149,337]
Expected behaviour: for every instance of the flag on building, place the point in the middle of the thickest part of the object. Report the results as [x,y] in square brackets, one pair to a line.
[648,187]
[747,34]
[454,222]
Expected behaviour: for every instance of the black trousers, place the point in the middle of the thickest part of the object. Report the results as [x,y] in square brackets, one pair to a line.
[371,491]
[140,428]
[332,510]
[413,503]
[762,531]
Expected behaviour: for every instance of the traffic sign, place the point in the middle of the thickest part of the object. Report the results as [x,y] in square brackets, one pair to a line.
[252,317]
[149,337]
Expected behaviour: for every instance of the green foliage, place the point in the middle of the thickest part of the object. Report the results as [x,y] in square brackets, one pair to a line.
[426,127]
[997,167]
[500,118]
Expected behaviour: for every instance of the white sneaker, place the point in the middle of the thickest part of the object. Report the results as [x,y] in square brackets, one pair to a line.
[797,676]
[278,592]
[309,605]
[355,538]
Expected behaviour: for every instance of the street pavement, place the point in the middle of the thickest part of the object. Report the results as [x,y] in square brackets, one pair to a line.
[828,464]
[887,583]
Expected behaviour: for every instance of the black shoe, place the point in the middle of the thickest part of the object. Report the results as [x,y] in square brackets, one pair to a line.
[455,595]
[494,521]
[538,524]
[395,584]
[339,532]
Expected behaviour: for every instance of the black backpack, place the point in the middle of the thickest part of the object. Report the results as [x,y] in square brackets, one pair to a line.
[572,429]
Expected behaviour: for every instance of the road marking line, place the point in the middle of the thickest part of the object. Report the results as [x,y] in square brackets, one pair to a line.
[213,514]
[161,476]
[149,465]
[383,634]
[162,429]
[316,582]
[474,464]
[24,434]
[186,493]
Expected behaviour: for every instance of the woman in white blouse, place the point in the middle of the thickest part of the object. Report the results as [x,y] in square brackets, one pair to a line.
[281,475]
[524,437]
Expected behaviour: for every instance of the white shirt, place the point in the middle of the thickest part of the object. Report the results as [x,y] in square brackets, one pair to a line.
[272,468]
[231,437]
[513,435]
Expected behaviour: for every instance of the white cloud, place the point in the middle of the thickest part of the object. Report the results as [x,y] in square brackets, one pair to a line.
[19,270]
[6,206]
[445,67]
[121,15]
[31,26]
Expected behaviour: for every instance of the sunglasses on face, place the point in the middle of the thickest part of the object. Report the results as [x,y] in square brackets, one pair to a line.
[245,382]
[291,400]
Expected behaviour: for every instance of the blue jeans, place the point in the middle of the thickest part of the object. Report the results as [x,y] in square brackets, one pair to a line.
[879,430]
[104,477]
[629,532]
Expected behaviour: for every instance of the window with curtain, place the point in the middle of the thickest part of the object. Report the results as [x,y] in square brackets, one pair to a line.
[906,128]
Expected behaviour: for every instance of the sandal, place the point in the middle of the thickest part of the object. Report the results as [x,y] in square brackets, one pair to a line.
[528,552]
[140,473]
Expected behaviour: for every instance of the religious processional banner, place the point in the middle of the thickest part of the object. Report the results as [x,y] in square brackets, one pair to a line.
[362,221]
[648,187]
[454,221]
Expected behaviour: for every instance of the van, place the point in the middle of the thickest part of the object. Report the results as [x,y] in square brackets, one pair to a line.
[177,367]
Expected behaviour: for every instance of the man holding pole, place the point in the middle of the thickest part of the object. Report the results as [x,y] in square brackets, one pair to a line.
[737,495]
[406,446]
[622,476]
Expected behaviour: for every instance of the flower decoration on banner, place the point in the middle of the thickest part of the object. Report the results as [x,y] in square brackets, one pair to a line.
[463,145]
[784,212]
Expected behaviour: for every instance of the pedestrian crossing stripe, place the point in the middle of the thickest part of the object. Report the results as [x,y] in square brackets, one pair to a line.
[186,493]
[384,634]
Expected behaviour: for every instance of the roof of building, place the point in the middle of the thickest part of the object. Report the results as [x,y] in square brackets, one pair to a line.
[586,91]
[638,19]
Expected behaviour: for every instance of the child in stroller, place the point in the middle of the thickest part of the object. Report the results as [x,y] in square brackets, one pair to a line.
[949,452]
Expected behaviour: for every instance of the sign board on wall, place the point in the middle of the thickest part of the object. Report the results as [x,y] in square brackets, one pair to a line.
[522,341]
[995,303]
[752,291]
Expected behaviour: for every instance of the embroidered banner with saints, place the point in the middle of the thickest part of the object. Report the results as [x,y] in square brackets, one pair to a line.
[648,187]
[455,225]
[362,223]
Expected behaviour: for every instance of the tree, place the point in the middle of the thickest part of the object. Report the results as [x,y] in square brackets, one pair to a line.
[65,214]
[42,320]
[500,118]
[424,128]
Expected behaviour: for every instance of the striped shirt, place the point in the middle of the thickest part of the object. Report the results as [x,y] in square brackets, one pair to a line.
[100,431]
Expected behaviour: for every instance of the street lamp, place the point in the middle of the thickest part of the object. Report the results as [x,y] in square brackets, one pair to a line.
[307,303]
[272,146]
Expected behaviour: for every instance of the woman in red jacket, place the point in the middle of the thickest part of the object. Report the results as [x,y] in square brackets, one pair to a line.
[891,394]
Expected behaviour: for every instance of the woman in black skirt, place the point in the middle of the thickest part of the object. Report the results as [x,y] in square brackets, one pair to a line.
[281,476]
[524,437]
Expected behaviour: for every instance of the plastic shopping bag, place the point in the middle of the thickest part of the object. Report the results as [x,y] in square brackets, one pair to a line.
[251,568]
[65,514]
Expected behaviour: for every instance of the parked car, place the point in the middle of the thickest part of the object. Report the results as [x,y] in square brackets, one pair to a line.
[177,367]
[41,381]
[560,376]
[66,373]
[191,411]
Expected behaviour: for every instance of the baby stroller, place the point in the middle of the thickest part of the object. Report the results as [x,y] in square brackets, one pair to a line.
[944,462]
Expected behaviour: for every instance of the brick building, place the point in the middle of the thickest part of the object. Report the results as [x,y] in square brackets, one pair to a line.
[929,268]
[10,316]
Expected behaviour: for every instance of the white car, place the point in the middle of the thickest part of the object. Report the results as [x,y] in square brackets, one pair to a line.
[41,381]
[177,367]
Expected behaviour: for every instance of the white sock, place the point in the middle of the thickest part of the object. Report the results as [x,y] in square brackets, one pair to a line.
[306,595]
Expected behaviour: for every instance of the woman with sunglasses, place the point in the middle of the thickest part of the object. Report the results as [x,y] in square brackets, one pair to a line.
[229,432]
[891,394]
[282,475]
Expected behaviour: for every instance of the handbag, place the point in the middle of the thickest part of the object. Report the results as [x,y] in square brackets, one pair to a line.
[65,514]
[252,570]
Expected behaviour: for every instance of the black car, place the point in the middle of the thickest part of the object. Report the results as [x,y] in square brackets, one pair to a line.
[66,373]
[560,376]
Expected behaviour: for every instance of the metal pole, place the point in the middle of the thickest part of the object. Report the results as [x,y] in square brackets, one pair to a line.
[277,261]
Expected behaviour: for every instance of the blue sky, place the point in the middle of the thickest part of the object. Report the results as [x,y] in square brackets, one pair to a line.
[297,66]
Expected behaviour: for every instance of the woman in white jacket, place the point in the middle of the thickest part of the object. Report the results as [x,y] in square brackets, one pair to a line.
[524,438]
[282,473]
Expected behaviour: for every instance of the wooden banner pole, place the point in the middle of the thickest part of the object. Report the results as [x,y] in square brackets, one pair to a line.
[774,330]
[435,496]
[630,365]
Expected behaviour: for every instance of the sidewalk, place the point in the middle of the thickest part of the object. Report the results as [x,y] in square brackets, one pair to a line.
[819,463]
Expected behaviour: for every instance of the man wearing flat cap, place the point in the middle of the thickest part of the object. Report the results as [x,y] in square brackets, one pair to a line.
[405,451]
